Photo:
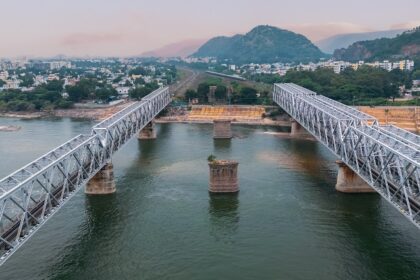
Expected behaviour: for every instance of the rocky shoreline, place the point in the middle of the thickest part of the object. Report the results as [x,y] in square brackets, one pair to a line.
[97,114]
[9,128]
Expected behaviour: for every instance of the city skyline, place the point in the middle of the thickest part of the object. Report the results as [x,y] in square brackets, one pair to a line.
[128,28]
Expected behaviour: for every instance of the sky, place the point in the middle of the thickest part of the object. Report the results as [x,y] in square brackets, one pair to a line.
[131,27]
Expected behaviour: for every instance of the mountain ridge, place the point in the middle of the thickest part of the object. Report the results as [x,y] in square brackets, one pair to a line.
[263,44]
[339,41]
[405,45]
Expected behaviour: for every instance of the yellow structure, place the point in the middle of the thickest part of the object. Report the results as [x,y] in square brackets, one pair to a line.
[233,113]
[404,117]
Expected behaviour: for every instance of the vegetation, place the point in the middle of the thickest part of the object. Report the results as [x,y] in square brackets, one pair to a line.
[402,46]
[211,158]
[240,93]
[366,86]
[46,97]
[263,44]
[141,91]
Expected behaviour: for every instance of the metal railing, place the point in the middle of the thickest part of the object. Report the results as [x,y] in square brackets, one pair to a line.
[386,157]
[33,194]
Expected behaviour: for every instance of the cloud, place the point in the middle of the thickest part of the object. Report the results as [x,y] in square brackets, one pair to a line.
[320,31]
[407,25]
[83,39]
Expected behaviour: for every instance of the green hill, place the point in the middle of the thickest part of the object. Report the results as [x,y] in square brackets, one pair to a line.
[263,44]
[406,45]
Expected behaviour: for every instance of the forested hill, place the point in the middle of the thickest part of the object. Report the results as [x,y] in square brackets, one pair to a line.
[263,44]
[406,45]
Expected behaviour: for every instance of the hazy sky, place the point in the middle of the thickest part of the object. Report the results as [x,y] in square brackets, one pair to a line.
[130,27]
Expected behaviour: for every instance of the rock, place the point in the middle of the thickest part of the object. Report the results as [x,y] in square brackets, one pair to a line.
[10,128]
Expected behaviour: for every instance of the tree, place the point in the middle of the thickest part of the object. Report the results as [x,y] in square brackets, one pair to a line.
[27,80]
[55,85]
[190,94]
[139,92]
[416,74]
[104,94]
[82,90]
[221,92]
[138,71]
[139,81]
[248,95]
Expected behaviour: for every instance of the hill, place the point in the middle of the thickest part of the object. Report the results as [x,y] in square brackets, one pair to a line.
[330,44]
[179,49]
[406,45]
[263,44]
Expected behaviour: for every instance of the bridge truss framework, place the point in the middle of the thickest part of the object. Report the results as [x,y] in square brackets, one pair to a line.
[386,157]
[33,194]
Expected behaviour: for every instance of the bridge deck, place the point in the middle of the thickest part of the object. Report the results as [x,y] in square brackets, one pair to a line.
[386,157]
[30,196]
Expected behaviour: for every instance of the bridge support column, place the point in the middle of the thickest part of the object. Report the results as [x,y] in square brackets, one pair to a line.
[148,132]
[222,129]
[103,182]
[349,182]
[298,130]
[223,176]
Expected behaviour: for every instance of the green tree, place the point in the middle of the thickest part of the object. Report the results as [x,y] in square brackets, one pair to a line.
[190,94]
[27,80]
[248,95]
[221,92]
[104,94]
[139,92]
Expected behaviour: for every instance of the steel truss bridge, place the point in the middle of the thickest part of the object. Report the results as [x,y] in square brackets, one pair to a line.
[33,194]
[386,157]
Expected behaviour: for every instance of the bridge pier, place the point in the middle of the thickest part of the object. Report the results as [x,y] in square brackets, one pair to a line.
[349,182]
[103,182]
[148,132]
[223,176]
[298,130]
[222,129]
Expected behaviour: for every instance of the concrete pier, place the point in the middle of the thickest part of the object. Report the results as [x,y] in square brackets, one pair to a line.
[349,182]
[298,130]
[148,132]
[222,129]
[103,182]
[223,176]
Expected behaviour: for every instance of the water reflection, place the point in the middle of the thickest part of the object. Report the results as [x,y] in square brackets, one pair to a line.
[224,216]
[222,145]
[96,239]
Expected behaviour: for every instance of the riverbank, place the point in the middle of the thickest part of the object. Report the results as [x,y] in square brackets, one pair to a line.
[262,122]
[97,114]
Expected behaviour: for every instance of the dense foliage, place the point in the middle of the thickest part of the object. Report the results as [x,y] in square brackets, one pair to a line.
[367,85]
[406,45]
[263,44]
[139,92]
[46,97]
[239,93]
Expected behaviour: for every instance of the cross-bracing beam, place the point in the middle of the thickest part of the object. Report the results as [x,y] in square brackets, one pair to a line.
[30,196]
[386,157]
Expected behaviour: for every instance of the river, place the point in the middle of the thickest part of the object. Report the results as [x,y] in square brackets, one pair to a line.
[287,222]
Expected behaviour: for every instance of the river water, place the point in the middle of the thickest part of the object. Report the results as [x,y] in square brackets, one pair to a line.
[287,222]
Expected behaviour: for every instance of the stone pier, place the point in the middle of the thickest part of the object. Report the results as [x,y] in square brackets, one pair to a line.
[148,132]
[223,176]
[349,182]
[103,182]
[222,129]
[298,130]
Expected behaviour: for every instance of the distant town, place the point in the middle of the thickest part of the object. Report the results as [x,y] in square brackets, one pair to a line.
[64,83]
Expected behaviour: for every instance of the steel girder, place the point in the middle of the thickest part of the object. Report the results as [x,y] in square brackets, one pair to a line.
[386,157]
[31,195]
